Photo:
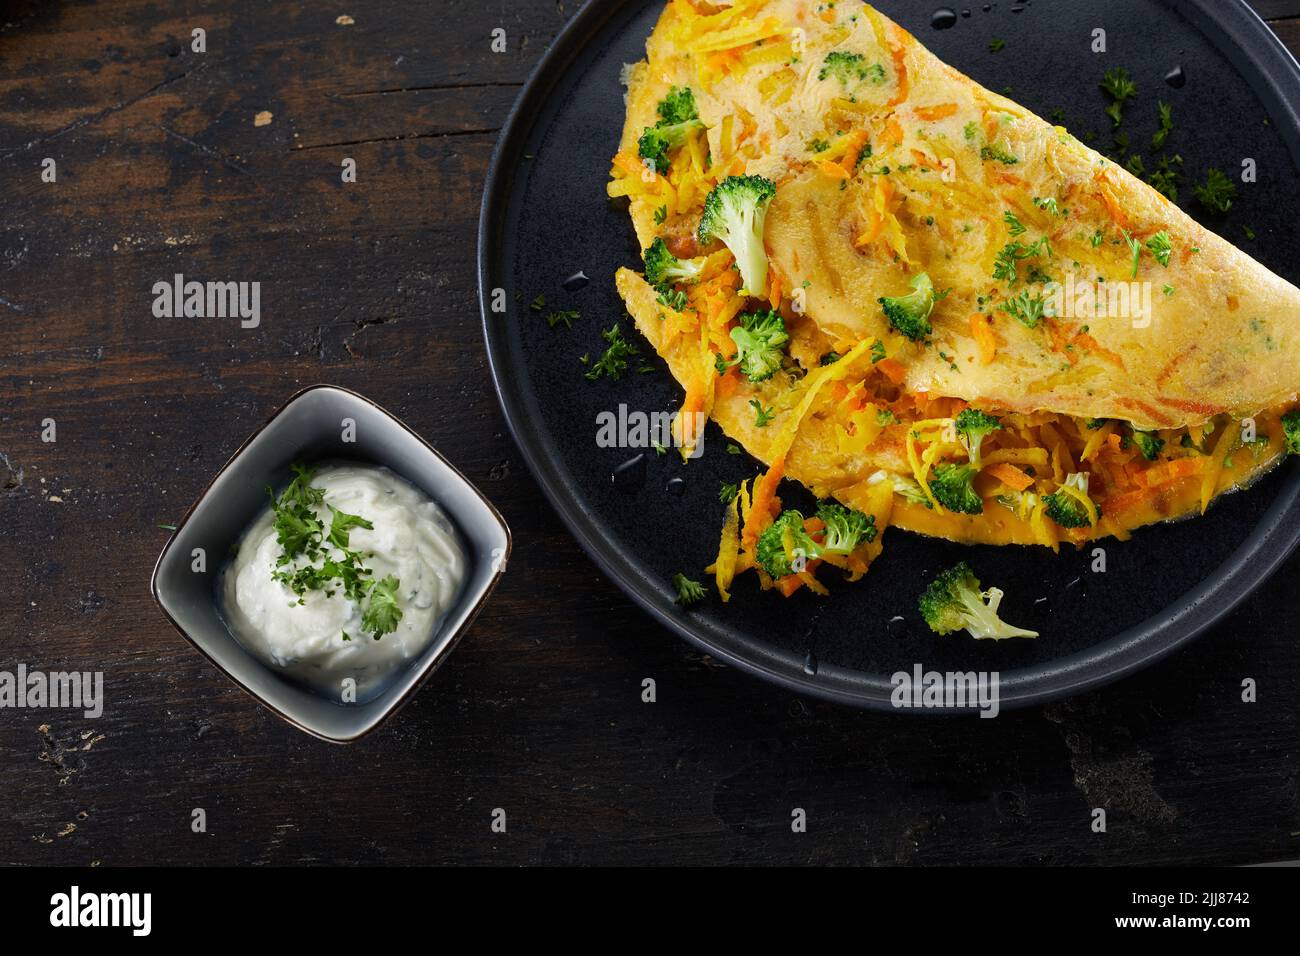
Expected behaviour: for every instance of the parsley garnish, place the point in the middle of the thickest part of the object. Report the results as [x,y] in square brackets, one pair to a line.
[1026,308]
[1166,126]
[727,493]
[304,540]
[1160,247]
[382,613]
[1119,88]
[1217,193]
[1051,205]
[762,416]
[565,317]
[614,362]
[1004,266]
[1135,246]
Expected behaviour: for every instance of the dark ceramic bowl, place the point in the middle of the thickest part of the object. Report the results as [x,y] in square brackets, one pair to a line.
[310,428]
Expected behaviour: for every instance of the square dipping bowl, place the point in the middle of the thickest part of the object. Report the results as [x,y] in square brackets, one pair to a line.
[310,427]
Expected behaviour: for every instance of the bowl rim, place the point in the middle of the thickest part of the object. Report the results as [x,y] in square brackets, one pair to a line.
[499,568]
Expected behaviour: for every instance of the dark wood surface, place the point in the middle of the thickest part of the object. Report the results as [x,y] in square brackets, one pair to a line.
[162,169]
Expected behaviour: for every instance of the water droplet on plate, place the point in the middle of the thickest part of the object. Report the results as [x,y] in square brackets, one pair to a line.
[943,18]
[575,282]
[1176,78]
[810,664]
[629,477]
[676,487]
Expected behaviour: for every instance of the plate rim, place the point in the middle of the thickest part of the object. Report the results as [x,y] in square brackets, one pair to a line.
[1268,545]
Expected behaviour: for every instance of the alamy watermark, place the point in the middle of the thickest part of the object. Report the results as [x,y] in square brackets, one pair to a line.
[922,689]
[632,428]
[76,690]
[179,299]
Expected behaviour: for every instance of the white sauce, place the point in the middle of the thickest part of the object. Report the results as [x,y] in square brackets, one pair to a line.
[412,540]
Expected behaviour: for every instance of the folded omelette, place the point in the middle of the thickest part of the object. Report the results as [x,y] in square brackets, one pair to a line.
[925,303]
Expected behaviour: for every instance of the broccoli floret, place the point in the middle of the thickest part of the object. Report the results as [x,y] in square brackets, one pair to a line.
[678,119]
[772,554]
[1067,510]
[1291,429]
[664,268]
[734,212]
[1148,444]
[656,141]
[846,528]
[688,592]
[910,314]
[678,106]
[759,339]
[849,68]
[951,484]
[955,601]
[973,426]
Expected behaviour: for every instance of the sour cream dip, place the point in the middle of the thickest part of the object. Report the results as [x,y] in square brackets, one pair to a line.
[317,635]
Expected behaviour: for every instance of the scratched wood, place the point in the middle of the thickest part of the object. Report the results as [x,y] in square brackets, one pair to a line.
[162,169]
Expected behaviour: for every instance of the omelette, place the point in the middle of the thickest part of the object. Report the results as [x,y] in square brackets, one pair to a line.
[929,306]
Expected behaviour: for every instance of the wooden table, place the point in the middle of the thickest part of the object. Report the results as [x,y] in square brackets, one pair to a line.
[225,165]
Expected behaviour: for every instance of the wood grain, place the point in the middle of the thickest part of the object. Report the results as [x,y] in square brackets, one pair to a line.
[162,169]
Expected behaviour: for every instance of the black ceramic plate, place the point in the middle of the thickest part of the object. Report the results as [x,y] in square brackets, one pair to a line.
[545,217]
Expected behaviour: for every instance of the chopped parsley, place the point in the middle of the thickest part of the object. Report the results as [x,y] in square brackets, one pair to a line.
[565,317]
[1014,225]
[304,541]
[1135,246]
[614,362]
[1026,308]
[727,493]
[1051,205]
[1218,191]
[1004,266]
[997,45]
[1120,88]
[1166,125]
[762,416]
[1160,247]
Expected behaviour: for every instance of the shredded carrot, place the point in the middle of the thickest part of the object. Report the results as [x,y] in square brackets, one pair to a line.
[893,135]
[982,331]
[893,370]
[763,507]
[774,288]
[789,584]
[1170,471]
[942,111]
[1116,211]
[856,140]
[899,56]
[833,170]
[1011,476]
